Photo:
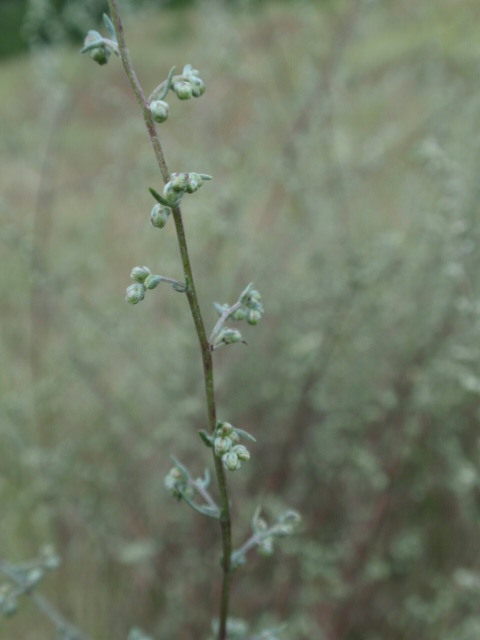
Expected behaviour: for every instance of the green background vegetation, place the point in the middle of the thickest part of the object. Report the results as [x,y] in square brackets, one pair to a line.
[345,148]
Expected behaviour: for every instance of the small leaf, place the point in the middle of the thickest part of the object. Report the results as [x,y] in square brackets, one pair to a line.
[181,467]
[110,28]
[205,176]
[159,198]
[168,84]
[245,434]
[205,510]
[179,287]
[206,438]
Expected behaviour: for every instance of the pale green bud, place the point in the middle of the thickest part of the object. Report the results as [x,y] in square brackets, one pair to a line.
[291,516]
[139,274]
[135,293]
[159,110]
[222,445]
[175,483]
[265,547]
[220,308]
[173,196]
[230,336]
[152,281]
[159,215]
[101,53]
[231,461]
[255,295]
[179,181]
[242,452]
[283,530]
[50,559]
[188,71]
[183,89]
[194,182]
[34,576]
[223,429]
[260,525]
[253,317]
[239,314]
[9,607]
[198,86]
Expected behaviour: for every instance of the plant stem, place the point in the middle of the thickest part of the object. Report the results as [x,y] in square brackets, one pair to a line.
[225,518]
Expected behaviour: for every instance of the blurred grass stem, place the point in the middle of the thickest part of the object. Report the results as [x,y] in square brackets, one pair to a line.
[225,519]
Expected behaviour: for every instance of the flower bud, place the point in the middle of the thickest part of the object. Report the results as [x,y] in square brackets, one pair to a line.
[100,54]
[255,295]
[159,110]
[223,429]
[183,89]
[139,274]
[242,452]
[260,525]
[253,317]
[179,181]
[174,483]
[151,282]
[222,445]
[198,86]
[265,547]
[171,195]
[194,182]
[135,293]
[230,336]
[159,215]
[230,461]
[9,607]
[239,314]
[34,576]
[50,560]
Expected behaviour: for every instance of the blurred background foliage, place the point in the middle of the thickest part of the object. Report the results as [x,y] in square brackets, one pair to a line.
[344,143]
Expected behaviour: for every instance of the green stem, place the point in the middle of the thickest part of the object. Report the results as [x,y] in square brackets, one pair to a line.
[225,518]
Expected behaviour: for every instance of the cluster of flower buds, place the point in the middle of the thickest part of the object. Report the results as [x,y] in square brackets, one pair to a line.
[248,307]
[144,280]
[265,534]
[188,84]
[24,578]
[226,445]
[173,191]
[180,183]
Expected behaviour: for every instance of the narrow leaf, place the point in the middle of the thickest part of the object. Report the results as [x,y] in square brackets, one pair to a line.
[205,510]
[245,434]
[181,467]
[159,198]
[207,439]
[168,84]
[110,28]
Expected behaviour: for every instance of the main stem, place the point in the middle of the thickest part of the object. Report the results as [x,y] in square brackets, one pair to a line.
[225,518]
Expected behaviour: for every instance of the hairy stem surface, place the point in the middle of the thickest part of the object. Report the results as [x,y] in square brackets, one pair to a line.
[225,518]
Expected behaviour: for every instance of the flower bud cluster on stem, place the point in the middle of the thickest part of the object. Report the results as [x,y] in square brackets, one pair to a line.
[223,438]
